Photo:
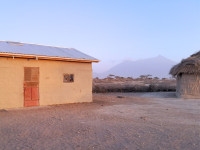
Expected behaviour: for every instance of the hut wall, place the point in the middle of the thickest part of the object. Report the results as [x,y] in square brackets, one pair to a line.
[188,86]
[52,89]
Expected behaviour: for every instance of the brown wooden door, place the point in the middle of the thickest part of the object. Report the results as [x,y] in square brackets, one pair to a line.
[31,86]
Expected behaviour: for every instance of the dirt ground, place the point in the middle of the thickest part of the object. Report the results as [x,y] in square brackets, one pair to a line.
[133,121]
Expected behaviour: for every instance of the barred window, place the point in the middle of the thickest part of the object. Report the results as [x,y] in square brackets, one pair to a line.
[68,78]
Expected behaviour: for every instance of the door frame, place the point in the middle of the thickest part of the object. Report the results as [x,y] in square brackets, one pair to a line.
[31,86]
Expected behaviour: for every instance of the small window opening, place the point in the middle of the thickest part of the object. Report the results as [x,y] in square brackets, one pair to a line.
[15,43]
[68,78]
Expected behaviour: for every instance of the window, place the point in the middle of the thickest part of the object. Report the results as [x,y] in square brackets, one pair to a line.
[68,78]
[31,74]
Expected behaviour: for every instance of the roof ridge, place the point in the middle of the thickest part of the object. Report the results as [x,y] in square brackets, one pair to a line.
[37,44]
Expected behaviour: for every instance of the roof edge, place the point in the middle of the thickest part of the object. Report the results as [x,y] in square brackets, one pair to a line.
[43,57]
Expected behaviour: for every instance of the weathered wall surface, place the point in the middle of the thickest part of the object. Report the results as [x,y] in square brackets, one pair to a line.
[188,86]
[52,89]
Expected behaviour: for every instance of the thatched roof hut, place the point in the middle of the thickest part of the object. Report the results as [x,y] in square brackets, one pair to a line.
[187,73]
[190,65]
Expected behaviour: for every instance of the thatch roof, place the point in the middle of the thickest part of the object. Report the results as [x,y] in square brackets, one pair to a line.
[191,65]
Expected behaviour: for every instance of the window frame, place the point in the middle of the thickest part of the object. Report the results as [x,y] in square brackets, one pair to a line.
[68,78]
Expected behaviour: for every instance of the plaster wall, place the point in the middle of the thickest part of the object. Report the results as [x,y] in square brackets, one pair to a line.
[52,89]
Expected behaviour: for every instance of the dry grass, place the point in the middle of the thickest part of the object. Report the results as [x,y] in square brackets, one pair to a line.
[120,84]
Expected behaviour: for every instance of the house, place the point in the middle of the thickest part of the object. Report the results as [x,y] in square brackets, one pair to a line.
[187,73]
[36,75]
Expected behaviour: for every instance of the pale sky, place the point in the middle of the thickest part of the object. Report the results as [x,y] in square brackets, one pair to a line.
[106,29]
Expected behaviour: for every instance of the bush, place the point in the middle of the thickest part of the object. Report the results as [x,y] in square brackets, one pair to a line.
[134,86]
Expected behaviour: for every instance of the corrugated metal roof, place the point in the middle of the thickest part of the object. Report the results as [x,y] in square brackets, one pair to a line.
[40,50]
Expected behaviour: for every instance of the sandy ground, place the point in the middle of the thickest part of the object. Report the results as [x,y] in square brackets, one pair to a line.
[135,121]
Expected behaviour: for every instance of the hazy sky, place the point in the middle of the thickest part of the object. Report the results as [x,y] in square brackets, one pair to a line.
[106,29]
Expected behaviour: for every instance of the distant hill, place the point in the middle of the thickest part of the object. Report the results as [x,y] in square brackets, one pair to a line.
[157,67]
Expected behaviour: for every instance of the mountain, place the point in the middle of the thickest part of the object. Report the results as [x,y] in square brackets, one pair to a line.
[157,67]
